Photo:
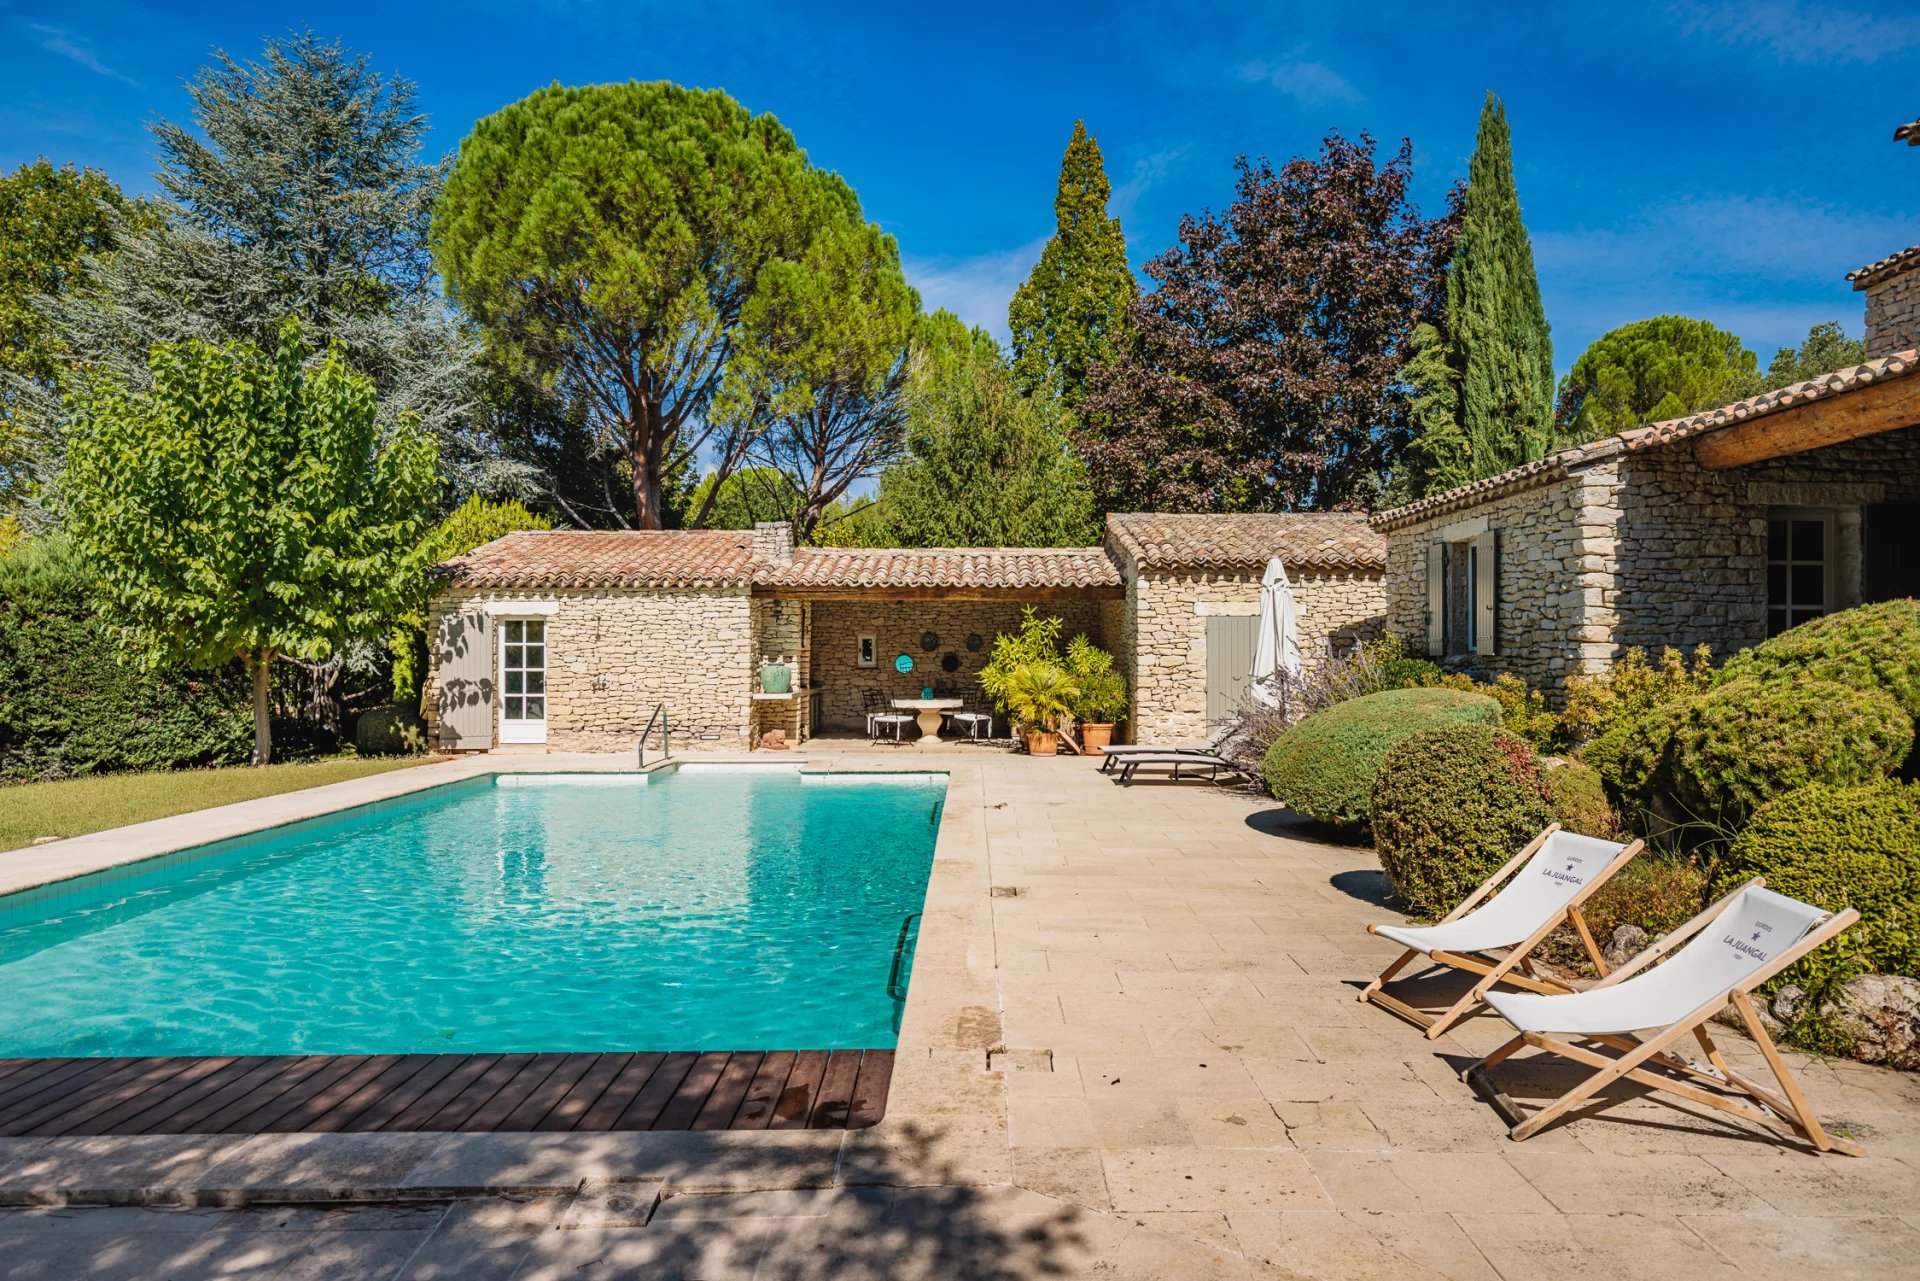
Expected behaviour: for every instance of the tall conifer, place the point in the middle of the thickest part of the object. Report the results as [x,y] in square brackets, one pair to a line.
[1501,348]
[1071,310]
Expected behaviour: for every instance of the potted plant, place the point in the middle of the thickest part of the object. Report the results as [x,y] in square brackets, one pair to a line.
[1102,697]
[1038,696]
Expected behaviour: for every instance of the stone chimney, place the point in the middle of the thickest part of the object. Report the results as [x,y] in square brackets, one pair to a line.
[1892,286]
[773,541]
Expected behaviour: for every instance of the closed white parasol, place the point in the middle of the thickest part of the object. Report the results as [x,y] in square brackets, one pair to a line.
[1278,645]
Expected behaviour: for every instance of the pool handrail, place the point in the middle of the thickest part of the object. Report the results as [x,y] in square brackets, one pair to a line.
[659,715]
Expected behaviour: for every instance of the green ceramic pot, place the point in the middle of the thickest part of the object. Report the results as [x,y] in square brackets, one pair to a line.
[776,678]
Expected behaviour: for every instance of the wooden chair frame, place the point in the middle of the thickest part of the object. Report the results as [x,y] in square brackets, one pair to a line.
[1514,969]
[1784,1111]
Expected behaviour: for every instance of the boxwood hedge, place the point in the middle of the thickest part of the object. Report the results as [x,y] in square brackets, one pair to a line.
[1324,766]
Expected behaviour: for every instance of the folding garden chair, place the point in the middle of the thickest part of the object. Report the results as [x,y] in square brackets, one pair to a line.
[1556,872]
[1737,944]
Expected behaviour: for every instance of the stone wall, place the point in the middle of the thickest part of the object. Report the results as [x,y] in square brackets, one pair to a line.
[1893,313]
[899,626]
[612,655]
[1169,652]
[1539,606]
[1649,549]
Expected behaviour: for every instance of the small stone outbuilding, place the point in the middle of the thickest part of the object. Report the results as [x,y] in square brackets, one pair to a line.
[571,639]
[1719,529]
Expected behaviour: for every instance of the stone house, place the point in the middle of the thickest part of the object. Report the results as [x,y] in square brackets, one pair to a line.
[569,639]
[1720,528]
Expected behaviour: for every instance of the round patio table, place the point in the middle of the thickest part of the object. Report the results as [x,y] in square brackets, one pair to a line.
[929,710]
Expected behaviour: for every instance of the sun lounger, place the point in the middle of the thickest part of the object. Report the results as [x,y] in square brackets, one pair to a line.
[1556,872]
[1642,1011]
[1209,746]
[1208,761]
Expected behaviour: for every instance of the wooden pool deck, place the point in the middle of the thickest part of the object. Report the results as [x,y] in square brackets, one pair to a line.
[463,1093]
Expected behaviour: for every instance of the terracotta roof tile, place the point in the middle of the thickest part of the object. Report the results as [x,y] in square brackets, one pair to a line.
[1323,540]
[1652,436]
[1007,568]
[607,558]
[1874,272]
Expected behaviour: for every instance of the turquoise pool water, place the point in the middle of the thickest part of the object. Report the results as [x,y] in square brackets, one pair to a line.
[695,911]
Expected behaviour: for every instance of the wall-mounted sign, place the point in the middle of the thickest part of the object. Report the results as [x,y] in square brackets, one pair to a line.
[903,664]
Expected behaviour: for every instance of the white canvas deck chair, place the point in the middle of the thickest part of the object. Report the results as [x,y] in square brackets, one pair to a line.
[1737,944]
[1556,872]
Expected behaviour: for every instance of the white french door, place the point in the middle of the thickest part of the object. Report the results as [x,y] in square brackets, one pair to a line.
[523,680]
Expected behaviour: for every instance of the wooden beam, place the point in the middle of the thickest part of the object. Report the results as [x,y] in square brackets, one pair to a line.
[1825,420]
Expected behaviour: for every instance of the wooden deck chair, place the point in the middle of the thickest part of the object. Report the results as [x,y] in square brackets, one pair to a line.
[1555,874]
[1642,1011]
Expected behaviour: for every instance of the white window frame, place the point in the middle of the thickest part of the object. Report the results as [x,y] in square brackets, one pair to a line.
[523,731]
[1829,562]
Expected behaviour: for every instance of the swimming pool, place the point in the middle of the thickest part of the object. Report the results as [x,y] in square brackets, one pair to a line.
[716,909]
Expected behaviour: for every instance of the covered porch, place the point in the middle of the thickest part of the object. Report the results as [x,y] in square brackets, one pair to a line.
[860,628]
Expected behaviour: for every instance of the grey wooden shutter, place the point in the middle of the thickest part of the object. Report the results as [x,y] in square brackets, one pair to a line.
[1437,599]
[1486,592]
[1230,644]
[466,690]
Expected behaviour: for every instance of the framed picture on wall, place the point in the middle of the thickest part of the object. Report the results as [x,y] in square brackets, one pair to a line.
[868,652]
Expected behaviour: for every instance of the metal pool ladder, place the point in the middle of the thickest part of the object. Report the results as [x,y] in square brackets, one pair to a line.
[659,715]
[894,987]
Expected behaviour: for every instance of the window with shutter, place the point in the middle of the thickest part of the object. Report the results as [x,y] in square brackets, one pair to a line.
[1437,600]
[466,683]
[1485,588]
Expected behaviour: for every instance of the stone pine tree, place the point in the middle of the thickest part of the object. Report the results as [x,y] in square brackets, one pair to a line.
[1501,349]
[1072,310]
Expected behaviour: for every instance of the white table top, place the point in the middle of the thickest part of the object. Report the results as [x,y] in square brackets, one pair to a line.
[929,704]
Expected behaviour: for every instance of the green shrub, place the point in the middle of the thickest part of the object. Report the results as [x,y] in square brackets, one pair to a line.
[1578,799]
[70,704]
[1324,766]
[1629,757]
[1745,742]
[390,731]
[1403,672]
[1450,805]
[1632,687]
[1841,847]
[1872,647]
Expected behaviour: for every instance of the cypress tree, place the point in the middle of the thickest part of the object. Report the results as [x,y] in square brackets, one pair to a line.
[1072,310]
[1501,348]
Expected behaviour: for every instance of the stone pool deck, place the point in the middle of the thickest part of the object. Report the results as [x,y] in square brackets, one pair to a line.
[1131,1049]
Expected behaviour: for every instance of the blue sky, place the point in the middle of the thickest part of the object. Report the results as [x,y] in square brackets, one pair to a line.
[1725,160]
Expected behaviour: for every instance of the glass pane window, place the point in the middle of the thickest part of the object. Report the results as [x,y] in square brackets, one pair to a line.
[1799,568]
[523,670]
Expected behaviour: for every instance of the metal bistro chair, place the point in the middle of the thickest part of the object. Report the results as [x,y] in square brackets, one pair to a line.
[880,716]
[974,720]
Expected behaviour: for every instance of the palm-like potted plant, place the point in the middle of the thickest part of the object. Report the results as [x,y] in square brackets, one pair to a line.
[1102,698]
[1039,695]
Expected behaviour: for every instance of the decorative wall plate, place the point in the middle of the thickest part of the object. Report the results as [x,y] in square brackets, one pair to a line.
[974,642]
[904,663]
[950,662]
[929,640]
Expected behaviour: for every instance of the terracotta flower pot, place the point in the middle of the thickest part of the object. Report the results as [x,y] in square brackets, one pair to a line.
[1093,737]
[1047,744]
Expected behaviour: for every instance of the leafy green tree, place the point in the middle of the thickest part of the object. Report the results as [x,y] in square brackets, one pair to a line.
[243,508]
[816,391]
[472,524]
[1497,327]
[609,240]
[1652,370]
[985,466]
[298,188]
[53,223]
[744,498]
[1072,311]
[1826,350]
[1438,456]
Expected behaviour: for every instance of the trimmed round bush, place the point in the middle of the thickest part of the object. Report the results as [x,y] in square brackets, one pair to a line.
[1578,800]
[390,731]
[1841,847]
[1450,805]
[1323,767]
[1743,743]
[1872,647]
[1629,757]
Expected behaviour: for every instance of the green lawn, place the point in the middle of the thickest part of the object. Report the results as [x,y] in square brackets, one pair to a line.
[76,806]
